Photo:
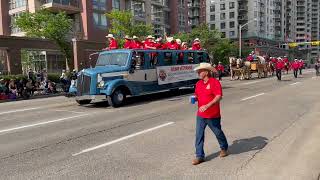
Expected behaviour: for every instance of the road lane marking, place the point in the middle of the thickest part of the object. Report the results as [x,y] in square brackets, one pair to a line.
[244,99]
[61,110]
[20,110]
[314,77]
[122,139]
[295,83]
[42,123]
[253,82]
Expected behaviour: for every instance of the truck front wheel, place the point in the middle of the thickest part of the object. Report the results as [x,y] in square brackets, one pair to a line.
[117,98]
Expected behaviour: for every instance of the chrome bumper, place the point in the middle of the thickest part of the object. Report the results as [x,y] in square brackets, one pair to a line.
[92,97]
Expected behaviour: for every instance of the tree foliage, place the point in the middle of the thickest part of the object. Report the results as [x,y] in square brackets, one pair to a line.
[219,48]
[44,24]
[122,23]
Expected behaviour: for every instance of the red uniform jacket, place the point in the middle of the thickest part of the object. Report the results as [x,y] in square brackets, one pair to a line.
[196,46]
[220,68]
[113,44]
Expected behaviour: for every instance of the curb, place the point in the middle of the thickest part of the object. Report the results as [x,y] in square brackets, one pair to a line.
[34,97]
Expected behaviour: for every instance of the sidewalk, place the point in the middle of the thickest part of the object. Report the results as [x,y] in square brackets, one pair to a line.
[34,97]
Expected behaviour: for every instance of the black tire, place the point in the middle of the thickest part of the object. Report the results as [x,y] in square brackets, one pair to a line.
[83,102]
[117,99]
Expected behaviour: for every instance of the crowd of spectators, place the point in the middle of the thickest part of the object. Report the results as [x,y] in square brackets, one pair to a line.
[36,83]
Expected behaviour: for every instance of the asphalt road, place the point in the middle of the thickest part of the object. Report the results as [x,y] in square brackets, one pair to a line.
[272,128]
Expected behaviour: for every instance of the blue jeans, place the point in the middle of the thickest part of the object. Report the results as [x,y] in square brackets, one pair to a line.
[215,125]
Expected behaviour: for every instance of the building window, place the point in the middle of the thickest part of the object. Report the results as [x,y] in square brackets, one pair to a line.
[223,25]
[99,5]
[13,17]
[100,19]
[231,24]
[231,15]
[223,6]
[231,5]
[223,34]
[17,3]
[231,33]
[212,26]
[116,4]
[212,17]
[222,16]
[212,8]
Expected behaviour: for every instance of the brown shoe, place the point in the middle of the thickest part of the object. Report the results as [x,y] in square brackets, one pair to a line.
[223,153]
[197,161]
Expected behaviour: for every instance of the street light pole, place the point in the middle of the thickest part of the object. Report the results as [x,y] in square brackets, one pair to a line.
[240,35]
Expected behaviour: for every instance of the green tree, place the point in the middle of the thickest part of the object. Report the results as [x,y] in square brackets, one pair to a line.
[122,23]
[44,24]
[219,48]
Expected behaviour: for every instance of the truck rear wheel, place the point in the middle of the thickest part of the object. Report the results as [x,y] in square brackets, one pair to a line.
[117,98]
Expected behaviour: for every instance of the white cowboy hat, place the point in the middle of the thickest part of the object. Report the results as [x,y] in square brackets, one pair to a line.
[110,36]
[150,37]
[206,66]
[134,37]
[197,39]
[159,39]
[178,41]
[127,37]
[169,39]
[220,62]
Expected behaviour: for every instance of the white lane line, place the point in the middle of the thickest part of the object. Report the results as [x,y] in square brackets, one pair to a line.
[295,83]
[121,139]
[253,82]
[20,110]
[42,123]
[244,99]
[314,77]
[61,110]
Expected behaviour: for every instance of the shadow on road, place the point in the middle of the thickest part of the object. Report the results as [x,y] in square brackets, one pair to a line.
[243,145]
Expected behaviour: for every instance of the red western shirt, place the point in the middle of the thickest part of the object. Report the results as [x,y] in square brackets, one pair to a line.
[280,65]
[285,60]
[172,46]
[301,64]
[295,65]
[113,44]
[250,58]
[136,45]
[196,46]
[274,60]
[159,45]
[127,44]
[149,44]
[220,67]
[205,93]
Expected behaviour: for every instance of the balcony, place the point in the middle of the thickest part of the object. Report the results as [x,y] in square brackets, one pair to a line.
[242,18]
[68,6]
[243,8]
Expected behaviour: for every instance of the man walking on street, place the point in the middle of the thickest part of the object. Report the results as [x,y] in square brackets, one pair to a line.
[317,66]
[295,67]
[220,70]
[279,67]
[209,94]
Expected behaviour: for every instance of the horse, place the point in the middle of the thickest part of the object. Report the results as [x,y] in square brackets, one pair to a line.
[236,68]
[271,68]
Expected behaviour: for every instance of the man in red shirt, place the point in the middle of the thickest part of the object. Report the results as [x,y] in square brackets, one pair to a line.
[149,44]
[159,44]
[279,67]
[196,44]
[127,43]
[136,44]
[209,94]
[171,44]
[295,67]
[249,58]
[220,69]
[301,63]
[113,44]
